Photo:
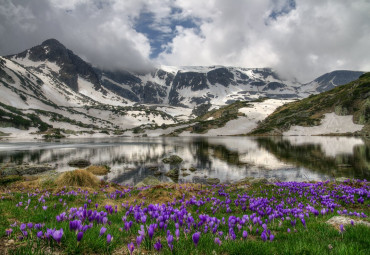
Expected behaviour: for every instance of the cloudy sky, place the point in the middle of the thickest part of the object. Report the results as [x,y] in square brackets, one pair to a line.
[298,38]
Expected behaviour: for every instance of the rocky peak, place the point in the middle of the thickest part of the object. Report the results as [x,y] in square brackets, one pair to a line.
[71,65]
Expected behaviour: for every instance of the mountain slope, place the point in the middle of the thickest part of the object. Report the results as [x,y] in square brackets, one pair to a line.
[52,83]
[352,99]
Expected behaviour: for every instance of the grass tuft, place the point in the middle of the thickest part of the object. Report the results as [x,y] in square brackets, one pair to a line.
[78,178]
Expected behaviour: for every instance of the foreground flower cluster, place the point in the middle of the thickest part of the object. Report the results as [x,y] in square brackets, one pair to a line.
[219,213]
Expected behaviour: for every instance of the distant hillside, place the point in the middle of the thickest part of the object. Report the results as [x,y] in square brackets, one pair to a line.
[350,99]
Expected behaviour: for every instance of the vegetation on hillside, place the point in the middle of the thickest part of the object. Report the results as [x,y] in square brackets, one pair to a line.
[40,216]
[350,99]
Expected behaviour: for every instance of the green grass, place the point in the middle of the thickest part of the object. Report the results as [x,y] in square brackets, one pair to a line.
[315,239]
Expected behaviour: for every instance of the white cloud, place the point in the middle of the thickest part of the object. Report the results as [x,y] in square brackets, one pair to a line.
[315,37]
[305,40]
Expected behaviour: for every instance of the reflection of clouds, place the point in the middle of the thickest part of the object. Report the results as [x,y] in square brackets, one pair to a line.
[128,157]
[331,146]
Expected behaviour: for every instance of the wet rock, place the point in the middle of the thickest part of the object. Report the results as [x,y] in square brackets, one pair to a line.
[79,163]
[173,173]
[192,169]
[157,173]
[152,168]
[174,159]
[213,181]
[25,169]
[252,180]
[148,181]
[200,180]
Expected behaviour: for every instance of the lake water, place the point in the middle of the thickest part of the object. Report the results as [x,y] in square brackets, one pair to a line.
[226,158]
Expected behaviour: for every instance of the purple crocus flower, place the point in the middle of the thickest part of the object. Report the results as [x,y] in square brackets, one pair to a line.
[303,222]
[22,227]
[218,241]
[158,245]
[245,234]
[288,230]
[79,236]
[170,241]
[139,239]
[30,225]
[341,228]
[39,234]
[109,238]
[57,235]
[150,232]
[8,231]
[102,231]
[272,237]
[131,247]
[44,207]
[264,236]
[195,238]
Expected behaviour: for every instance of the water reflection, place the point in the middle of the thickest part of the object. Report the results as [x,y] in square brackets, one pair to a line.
[227,158]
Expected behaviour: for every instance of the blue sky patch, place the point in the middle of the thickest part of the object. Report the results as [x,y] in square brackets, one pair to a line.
[161,32]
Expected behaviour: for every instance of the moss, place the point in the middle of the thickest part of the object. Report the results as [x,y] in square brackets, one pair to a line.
[10,179]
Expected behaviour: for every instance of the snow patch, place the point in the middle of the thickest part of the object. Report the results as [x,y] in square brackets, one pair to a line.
[331,124]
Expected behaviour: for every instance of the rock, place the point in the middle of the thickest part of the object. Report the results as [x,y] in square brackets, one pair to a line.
[174,159]
[252,180]
[185,174]
[258,181]
[342,179]
[342,220]
[173,173]
[152,168]
[213,181]
[157,173]
[140,185]
[25,169]
[272,180]
[192,169]
[148,181]
[183,169]
[200,180]
[79,163]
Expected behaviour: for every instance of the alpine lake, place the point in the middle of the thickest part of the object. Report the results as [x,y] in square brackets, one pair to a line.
[294,158]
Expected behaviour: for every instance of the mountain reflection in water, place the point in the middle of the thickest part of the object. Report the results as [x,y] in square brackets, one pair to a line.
[226,158]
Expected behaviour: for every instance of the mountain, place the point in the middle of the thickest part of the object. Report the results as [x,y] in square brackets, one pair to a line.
[53,84]
[342,110]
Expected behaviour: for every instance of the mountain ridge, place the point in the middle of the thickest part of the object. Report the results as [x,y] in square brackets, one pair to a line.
[50,81]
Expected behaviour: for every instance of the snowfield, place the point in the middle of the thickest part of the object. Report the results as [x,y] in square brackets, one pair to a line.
[331,124]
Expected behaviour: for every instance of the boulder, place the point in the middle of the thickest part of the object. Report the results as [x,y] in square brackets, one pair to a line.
[174,159]
[192,169]
[173,173]
[79,163]
[213,181]
[25,169]
[157,173]
[148,181]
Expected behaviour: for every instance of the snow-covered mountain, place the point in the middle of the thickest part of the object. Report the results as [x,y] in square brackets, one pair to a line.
[51,82]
